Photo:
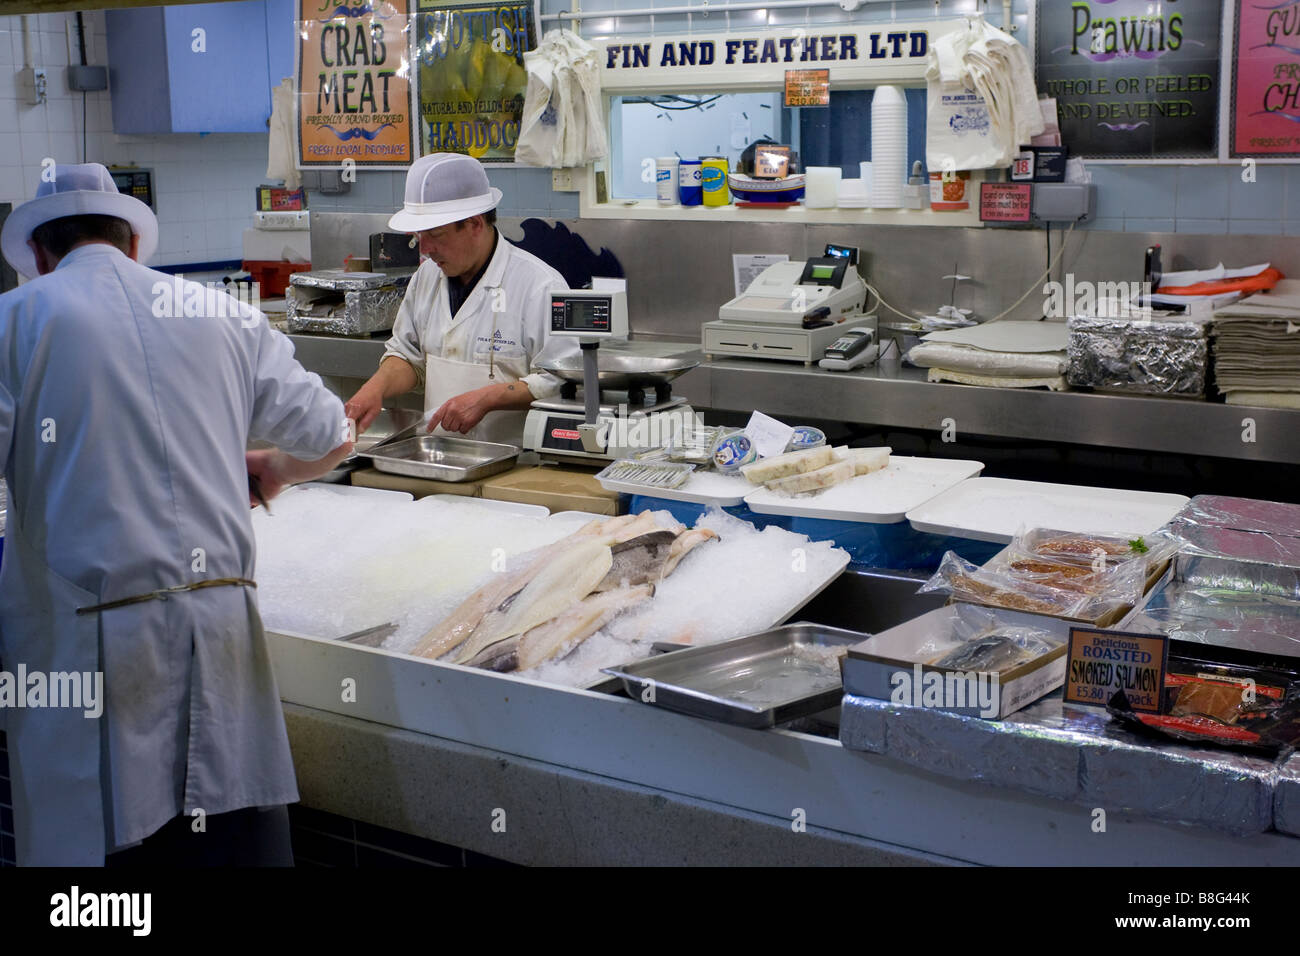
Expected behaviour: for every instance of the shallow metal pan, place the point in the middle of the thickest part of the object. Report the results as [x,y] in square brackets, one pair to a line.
[440,458]
[756,681]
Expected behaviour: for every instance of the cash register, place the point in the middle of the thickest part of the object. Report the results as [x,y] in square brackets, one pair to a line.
[792,310]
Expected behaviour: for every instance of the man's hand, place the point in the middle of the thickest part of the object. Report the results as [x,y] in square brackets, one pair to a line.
[264,465]
[463,412]
[365,405]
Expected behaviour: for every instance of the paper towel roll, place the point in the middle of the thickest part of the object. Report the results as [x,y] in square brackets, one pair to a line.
[888,147]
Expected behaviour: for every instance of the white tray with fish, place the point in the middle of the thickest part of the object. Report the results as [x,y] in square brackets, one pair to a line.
[881,497]
[755,681]
[993,509]
[491,504]
[700,488]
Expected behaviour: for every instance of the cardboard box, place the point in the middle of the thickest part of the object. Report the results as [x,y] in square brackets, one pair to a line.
[555,488]
[420,487]
[888,666]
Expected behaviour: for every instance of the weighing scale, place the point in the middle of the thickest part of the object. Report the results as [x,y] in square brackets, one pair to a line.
[793,310]
[626,404]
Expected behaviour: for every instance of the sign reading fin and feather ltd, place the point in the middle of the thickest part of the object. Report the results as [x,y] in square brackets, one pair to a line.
[1132,79]
[354,96]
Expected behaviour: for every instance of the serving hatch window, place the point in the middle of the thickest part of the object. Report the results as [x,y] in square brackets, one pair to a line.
[691,125]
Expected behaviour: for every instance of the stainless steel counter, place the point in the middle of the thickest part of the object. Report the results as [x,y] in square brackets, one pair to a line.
[900,397]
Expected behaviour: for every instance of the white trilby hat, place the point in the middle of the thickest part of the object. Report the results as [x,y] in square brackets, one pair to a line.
[442,188]
[77,190]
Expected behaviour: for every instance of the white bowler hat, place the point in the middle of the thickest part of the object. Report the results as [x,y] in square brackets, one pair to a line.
[442,188]
[77,190]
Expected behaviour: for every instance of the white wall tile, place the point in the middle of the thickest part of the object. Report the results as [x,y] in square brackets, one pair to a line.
[6,47]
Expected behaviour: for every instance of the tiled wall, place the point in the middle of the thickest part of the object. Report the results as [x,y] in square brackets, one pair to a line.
[204,184]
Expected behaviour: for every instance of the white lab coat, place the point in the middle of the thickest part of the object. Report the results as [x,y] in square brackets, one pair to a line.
[123,437]
[518,284]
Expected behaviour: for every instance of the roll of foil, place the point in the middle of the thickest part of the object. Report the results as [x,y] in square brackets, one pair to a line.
[1148,357]
[1075,753]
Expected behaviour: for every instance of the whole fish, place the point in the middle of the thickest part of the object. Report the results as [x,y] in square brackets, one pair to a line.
[562,633]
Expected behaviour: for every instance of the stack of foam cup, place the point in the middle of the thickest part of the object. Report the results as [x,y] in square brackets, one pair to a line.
[821,187]
[888,147]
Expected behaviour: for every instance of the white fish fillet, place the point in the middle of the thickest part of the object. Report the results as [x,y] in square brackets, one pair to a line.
[865,460]
[684,543]
[567,578]
[562,633]
[818,480]
[460,623]
[791,463]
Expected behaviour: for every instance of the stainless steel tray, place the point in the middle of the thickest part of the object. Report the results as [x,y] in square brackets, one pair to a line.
[621,369]
[390,423]
[440,458]
[758,681]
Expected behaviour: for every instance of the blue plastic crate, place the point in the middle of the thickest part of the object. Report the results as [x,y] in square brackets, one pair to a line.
[895,547]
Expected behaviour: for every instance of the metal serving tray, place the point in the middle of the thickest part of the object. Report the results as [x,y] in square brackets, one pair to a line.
[758,681]
[440,458]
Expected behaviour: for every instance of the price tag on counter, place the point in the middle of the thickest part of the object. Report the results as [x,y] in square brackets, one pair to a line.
[1101,662]
[769,436]
[807,88]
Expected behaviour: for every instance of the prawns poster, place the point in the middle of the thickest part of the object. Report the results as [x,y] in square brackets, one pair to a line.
[471,76]
[1132,79]
[354,93]
[1266,80]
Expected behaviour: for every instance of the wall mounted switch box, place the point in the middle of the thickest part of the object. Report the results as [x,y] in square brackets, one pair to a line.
[1063,202]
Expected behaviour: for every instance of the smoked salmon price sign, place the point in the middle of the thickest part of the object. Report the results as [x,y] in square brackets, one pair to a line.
[1102,662]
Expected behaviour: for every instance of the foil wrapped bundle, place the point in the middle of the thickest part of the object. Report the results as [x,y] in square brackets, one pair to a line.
[344,303]
[1141,354]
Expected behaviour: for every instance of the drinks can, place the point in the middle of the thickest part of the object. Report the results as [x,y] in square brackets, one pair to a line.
[666,180]
[713,170]
[690,179]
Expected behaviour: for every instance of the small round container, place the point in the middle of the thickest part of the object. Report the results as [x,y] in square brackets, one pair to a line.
[691,180]
[805,436]
[731,451]
[666,180]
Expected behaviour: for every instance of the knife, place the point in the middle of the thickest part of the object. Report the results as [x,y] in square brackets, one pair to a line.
[255,489]
[370,636]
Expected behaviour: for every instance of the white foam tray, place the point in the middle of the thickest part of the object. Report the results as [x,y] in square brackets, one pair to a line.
[882,497]
[994,509]
[701,488]
[350,491]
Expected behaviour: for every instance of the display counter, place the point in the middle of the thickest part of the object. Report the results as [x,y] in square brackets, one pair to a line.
[581,777]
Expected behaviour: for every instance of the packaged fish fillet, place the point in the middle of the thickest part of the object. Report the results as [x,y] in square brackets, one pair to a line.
[811,482]
[1078,592]
[986,643]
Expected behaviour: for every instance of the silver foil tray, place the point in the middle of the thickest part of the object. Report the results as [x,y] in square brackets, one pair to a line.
[441,458]
[758,681]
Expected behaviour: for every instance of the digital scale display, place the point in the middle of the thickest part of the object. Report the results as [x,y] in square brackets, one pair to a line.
[580,314]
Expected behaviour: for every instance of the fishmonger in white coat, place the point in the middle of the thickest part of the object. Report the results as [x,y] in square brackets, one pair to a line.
[476,316]
[128,547]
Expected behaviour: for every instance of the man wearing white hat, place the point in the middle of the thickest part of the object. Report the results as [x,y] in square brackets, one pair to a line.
[475,317]
[128,558]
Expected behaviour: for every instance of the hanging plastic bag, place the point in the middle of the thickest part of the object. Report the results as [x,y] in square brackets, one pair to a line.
[539,132]
[562,124]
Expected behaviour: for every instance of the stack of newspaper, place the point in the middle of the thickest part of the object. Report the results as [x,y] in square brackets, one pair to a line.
[1256,345]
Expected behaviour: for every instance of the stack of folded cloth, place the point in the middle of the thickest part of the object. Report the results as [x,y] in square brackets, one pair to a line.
[1256,347]
[999,354]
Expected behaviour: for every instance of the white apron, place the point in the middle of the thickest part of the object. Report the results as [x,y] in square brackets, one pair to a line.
[54,752]
[444,379]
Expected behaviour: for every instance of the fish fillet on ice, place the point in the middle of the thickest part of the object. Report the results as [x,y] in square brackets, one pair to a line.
[560,634]
[683,545]
[457,626]
[639,560]
[567,578]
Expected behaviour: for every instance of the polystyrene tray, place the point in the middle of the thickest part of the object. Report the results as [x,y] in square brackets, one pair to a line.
[351,491]
[882,497]
[993,509]
[509,507]
[701,488]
